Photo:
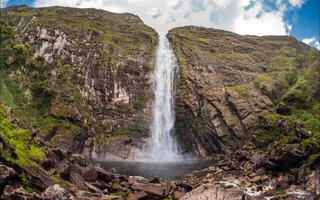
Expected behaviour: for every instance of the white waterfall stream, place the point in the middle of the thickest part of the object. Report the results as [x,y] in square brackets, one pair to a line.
[163,146]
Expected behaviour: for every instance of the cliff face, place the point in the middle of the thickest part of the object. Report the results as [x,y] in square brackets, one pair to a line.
[81,77]
[227,81]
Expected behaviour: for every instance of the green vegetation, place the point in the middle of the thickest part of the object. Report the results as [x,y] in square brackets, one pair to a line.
[27,152]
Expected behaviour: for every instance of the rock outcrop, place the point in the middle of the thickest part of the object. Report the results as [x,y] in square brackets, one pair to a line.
[84,77]
[222,88]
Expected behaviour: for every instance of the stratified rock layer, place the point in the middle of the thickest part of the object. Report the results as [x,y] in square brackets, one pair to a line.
[94,87]
[219,93]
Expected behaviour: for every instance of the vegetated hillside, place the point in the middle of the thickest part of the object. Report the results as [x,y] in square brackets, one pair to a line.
[232,87]
[80,77]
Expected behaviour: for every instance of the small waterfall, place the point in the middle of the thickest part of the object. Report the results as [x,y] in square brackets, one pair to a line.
[163,146]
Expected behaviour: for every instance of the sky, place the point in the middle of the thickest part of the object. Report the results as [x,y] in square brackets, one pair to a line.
[299,18]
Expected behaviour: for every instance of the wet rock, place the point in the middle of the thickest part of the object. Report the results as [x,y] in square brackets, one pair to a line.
[56,192]
[155,179]
[214,192]
[65,167]
[39,179]
[137,195]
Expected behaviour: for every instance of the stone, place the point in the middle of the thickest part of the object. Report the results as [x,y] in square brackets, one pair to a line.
[7,175]
[137,195]
[137,179]
[255,179]
[89,174]
[104,175]
[93,189]
[213,192]
[155,179]
[76,179]
[19,193]
[40,180]
[11,164]
[313,183]
[301,174]
[150,188]
[56,192]
[177,194]
[79,159]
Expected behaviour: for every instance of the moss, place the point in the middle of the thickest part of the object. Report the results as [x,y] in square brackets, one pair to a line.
[116,185]
[313,156]
[25,179]
[241,89]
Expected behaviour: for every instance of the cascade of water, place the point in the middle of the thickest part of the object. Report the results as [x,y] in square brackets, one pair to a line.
[163,146]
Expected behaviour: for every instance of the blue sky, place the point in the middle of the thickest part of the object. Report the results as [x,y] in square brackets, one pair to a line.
[299,18]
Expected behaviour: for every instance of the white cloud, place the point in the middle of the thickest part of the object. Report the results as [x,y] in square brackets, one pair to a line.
[240,16]
[3,3]
[297,3]
[317,45]
[308,41]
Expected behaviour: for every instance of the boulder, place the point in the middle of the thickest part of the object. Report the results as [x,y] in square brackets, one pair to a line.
[104,175]
[137,195]
[155,179]
[19,193]
[213,192]
[76,179]
[7,174]
[9,163]
[40,180]
[137,179]
[89,174]
[50,160]
[66,167]
[150,188]
[56,192]
[79,159]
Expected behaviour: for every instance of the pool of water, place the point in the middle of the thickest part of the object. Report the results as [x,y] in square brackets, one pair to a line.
[166,171]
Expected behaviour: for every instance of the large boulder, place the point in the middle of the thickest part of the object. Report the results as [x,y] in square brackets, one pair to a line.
[213,192]
[40,180]
[56,192]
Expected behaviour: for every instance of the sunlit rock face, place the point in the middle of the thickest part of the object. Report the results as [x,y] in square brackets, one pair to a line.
[99,65]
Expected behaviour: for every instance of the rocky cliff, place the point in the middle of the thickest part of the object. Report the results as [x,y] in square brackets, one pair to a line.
[228,81]
[81,77]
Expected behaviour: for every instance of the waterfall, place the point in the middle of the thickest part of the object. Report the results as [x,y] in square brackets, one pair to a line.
[163,146]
